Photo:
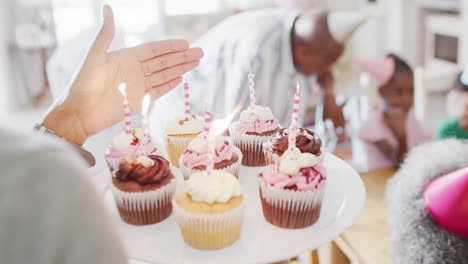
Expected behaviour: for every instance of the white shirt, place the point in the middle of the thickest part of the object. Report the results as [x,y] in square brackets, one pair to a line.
[256,42]
[49,213]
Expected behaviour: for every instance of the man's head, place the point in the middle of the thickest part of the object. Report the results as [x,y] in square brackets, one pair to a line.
[318,39]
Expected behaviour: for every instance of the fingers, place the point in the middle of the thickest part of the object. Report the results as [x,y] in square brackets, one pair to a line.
[162,89]
[171,59]
[106,35]
[164,76]
[154,49]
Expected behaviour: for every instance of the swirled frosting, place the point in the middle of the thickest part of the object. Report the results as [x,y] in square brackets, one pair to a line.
[197,152]
[142,171]
[306,141]
[256,119]
[303,174]
[127,145]
[185,125]
[219,187]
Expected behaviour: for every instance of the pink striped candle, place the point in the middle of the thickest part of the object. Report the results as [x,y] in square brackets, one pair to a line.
[208,136]
[128,122]
[252,89]
[187,99]
[294,120]
[145,123]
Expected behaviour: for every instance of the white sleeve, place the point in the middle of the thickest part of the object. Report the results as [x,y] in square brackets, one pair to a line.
[55,215]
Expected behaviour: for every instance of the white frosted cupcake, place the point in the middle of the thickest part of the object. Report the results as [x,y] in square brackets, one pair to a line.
[227,157]
[179,132]
[254,128]
[210,210]
[292,190]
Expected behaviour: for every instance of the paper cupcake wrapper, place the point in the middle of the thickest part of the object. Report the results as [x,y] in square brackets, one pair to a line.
[210,231]
[176,145]
[232,169]
[251,147]
[145,208]
[271,158]
[288,208]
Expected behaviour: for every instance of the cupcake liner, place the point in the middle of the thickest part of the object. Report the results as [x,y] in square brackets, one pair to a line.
[251,147]
[233,169]
[271,158]
[176,145]
[145,208]
[288,208]
[210,231]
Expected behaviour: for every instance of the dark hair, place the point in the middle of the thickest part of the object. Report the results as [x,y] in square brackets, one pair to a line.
[459,85]
[401,66]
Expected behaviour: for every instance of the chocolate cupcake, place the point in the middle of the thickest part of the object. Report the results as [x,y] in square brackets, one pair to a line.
[254,128]
[306,141]
[227,157]
[143,187]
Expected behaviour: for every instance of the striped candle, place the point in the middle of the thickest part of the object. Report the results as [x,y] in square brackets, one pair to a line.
[294,120]
[187,99]
[252,89]
[145,123]
[128,122]
[208,136]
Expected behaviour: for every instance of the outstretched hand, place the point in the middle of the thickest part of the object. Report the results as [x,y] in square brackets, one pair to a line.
[94,102]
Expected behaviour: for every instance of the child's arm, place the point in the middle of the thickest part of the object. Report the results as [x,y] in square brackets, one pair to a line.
[386,148]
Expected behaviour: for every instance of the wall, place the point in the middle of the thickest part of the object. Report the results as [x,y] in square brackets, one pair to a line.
[5,72]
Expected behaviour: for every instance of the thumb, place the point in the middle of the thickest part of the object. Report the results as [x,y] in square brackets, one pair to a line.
[106,35]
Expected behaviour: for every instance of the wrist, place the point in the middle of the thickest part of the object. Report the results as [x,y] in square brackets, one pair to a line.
[65,122]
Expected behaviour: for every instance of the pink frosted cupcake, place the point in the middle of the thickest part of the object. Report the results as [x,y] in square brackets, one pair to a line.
[227,157]
[254,128]
[291,191]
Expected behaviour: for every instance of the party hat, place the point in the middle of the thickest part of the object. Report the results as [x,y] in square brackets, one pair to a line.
[446,199]
[380,69]
[343,24]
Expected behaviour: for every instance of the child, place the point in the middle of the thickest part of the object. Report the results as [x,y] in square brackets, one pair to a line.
[457,127]
[388,134]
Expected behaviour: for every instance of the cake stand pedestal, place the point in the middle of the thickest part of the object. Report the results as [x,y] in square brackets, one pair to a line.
[260,242]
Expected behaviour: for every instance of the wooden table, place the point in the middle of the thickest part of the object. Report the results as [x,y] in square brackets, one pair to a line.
[366,240]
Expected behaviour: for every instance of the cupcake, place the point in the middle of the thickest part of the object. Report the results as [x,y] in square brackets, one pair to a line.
[227,157]
[143,187]
[291,191]
[142,183]
[125,145]
[179,132]
[254,128]
[210,210]
[306,141]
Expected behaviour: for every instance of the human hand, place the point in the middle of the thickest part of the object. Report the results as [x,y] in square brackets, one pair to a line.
[396,121]
[94,102]
[334,112]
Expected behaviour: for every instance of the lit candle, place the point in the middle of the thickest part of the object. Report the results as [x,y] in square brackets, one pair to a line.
[211,141]
[187,99]
[128,123]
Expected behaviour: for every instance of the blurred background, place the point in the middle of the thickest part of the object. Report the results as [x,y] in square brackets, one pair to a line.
[43,42]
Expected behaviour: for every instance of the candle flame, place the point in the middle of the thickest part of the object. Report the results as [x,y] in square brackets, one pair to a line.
[145,105]
[218,126]
[123,89]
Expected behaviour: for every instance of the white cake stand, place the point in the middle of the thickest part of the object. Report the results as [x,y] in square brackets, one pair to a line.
[260,242]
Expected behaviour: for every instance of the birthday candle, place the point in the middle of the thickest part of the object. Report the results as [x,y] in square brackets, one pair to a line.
[294,120]
[128,123]
[145,123]
[187,98]
[252,89]
[208,136]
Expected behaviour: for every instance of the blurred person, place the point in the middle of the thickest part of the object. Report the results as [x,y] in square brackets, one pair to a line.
[49,212]
[457,101]
[390,133]
[280,47]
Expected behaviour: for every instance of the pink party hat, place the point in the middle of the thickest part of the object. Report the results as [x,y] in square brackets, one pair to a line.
[380,69]
[446,199]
